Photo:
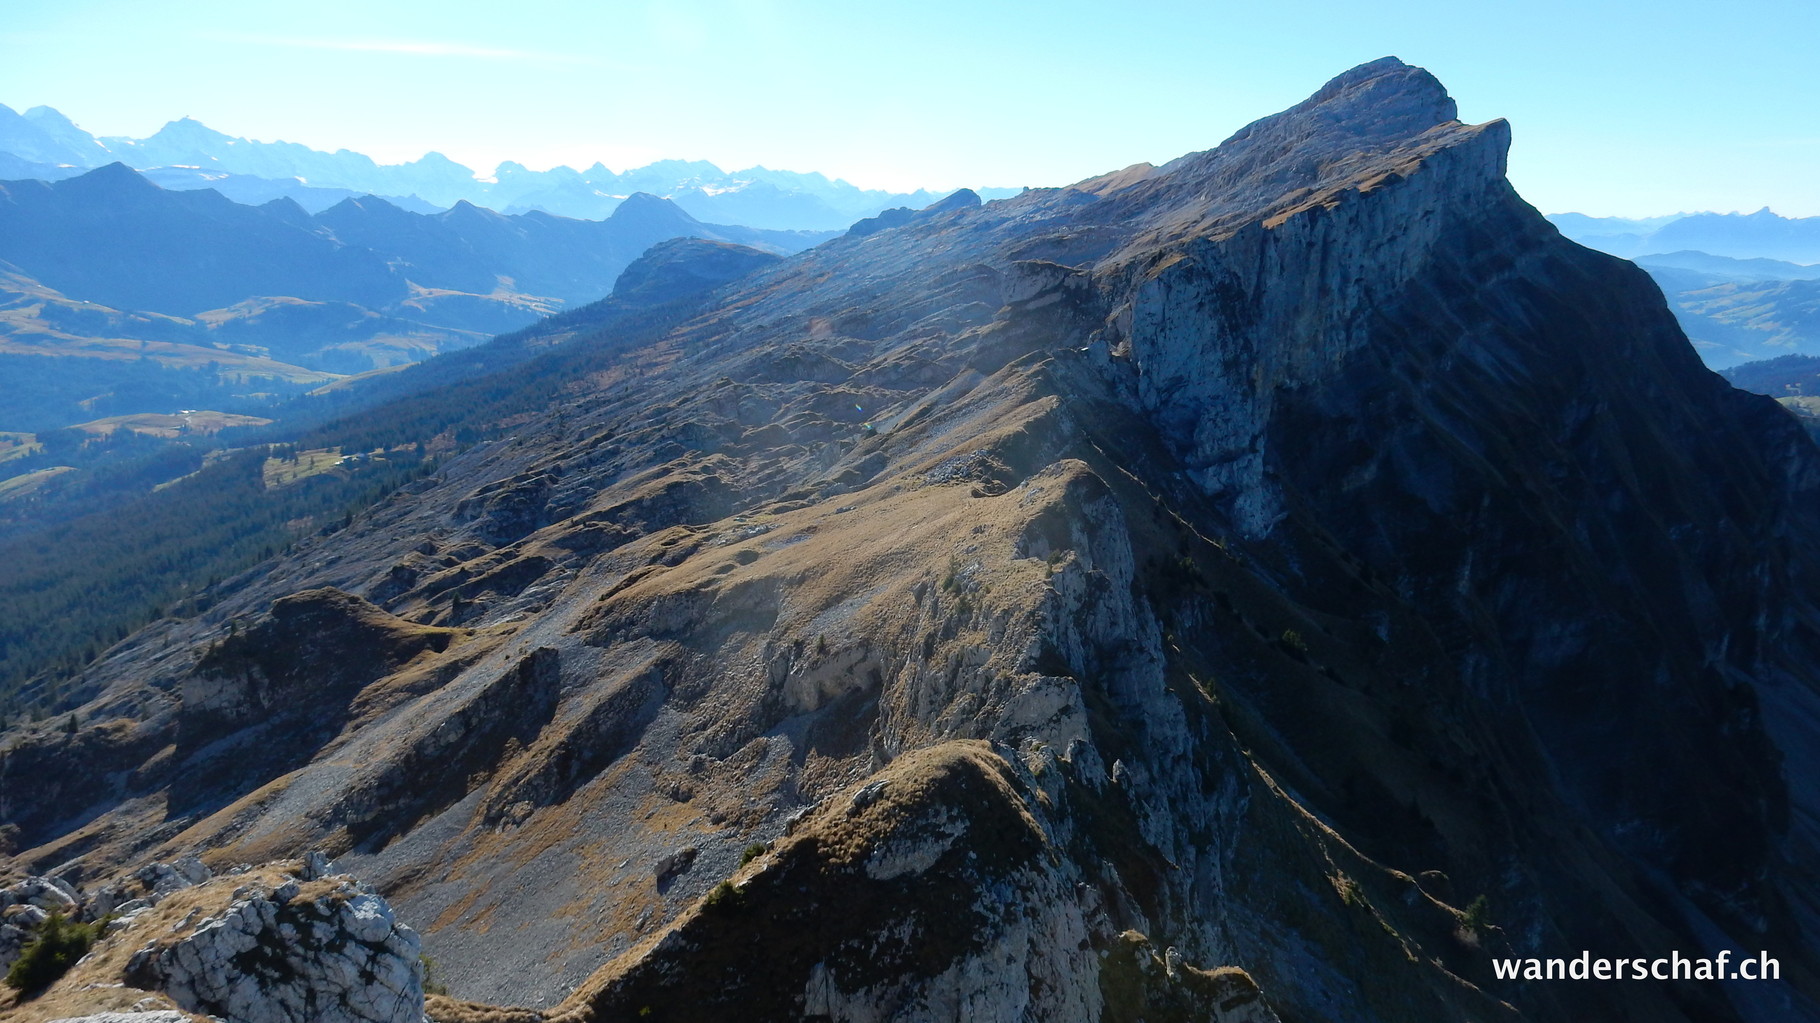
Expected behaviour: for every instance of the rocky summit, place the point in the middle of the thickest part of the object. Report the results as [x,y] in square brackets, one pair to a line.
[1275,585]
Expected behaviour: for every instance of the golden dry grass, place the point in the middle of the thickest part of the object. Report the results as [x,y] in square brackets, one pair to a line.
[174,424]
[26,484]
[278,472]
[18,445]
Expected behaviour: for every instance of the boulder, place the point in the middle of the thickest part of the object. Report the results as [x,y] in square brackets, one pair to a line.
[327,951]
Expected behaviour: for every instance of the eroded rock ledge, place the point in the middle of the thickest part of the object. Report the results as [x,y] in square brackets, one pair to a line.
[289,942]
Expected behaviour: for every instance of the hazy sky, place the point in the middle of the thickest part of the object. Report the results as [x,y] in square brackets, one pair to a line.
[1626,108]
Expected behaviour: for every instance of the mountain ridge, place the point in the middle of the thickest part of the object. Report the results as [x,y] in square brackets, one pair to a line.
[188,154]
[109,265]
[1268,557]
[1758,235]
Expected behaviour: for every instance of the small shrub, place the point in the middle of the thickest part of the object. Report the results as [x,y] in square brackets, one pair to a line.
[753,852]
[60,943]
[724,898]
[1351,894]
[432,978]
[1477,916]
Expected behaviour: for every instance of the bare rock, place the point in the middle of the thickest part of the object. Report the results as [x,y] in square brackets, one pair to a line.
[159,1016]
[192,870]
[673,863]
[332,954]
[43,892]
[315,866]
[161,879]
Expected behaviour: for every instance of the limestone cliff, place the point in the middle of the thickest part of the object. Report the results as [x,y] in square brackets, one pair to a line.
[284,943]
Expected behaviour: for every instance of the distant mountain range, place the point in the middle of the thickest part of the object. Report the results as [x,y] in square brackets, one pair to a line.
[1738,235]
[1742,285]
[186,154]
[1736,311]
[118,282]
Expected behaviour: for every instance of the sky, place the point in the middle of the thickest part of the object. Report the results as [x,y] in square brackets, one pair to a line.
[1617,108]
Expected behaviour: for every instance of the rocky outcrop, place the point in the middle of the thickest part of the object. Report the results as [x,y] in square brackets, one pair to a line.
[329,952]
[286,943]
[24,907]
[685,268]
[1140,983]
[930,892]
[318,647]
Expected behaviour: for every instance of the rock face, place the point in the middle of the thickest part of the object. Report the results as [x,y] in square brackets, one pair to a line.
[286,943]
[286,955]
[24,906]
[1271,584]
[685,268]
[925,893]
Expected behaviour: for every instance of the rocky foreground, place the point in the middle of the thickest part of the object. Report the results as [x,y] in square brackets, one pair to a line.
[1269,585]
[286,943]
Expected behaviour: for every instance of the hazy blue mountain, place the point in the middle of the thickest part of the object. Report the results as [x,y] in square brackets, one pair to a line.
[1733,322]
[1738,310]
[255,191]
[434,178]
[18,168]
[269,299]
[1728,268]
[1744,286]
[1759,235]
[83,147]
[112,237]
[1580,225]
[1754,235]
[44,136]
[1782,377]
[186,153]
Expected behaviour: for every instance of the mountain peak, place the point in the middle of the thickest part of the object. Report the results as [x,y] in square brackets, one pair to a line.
[646,209]
[1380,100]
[1377,123]
[464,210]
[115,177]
[683,267]
[959,199]
[43,115]
[188,130]
[433,160]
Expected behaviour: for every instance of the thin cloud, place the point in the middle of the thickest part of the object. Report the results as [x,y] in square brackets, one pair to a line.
[412,47]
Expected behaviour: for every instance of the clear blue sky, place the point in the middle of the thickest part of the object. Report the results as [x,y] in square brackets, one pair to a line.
[1626,108]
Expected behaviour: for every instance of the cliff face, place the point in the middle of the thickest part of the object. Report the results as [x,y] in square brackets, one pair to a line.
[1269,584]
